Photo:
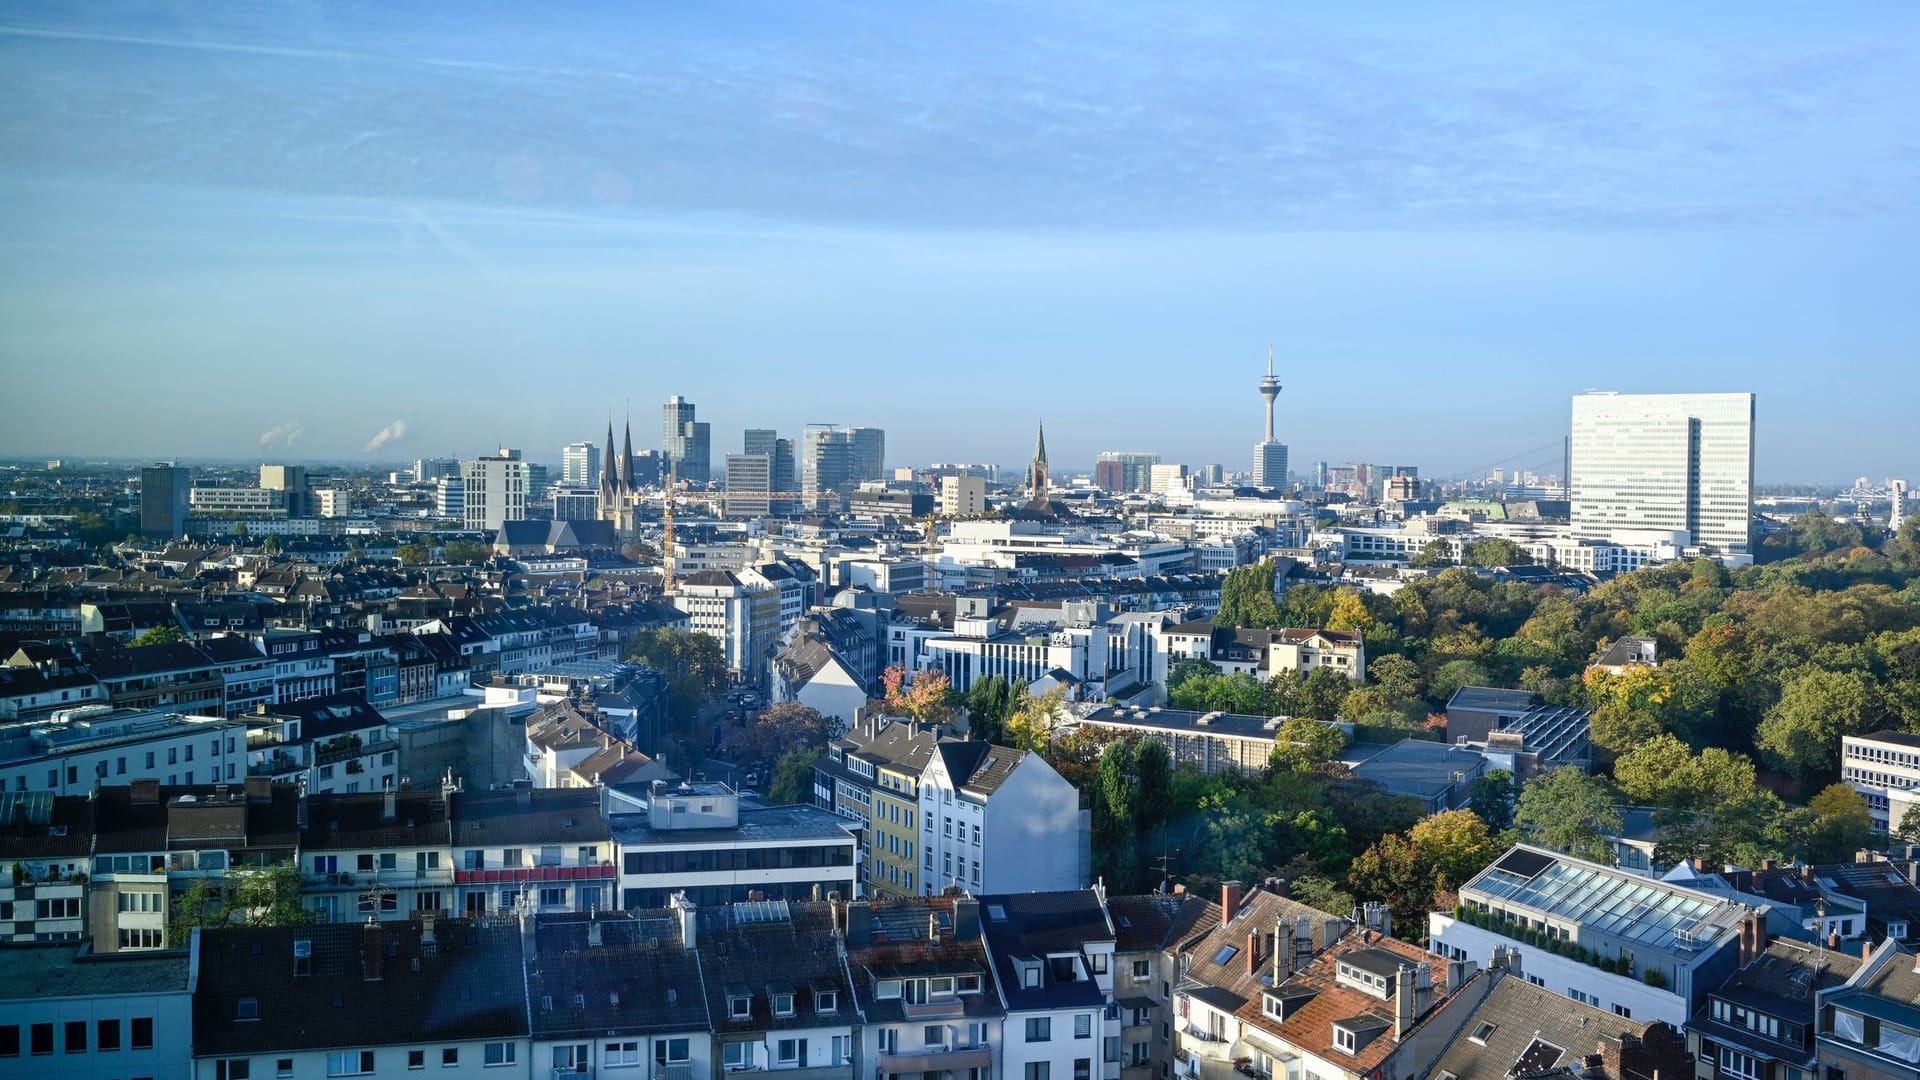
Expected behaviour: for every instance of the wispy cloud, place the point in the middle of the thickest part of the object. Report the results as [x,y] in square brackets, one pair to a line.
[283,435]
[392,433]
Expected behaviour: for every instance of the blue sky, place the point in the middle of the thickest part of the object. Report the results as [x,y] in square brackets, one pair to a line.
[222,224]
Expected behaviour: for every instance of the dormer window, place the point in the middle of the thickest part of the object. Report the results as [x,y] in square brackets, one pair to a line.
[248,1009]
[1343,1039]
[826,1001]
[783,1004]
[302,957]
[739,1006]
[967,984]
[887,989]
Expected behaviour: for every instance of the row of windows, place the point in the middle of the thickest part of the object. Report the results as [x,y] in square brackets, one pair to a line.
[106,1037]
[673,862]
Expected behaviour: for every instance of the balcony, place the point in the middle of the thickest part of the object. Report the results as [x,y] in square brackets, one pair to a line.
[680,1071]
[514,875]
[934,1010]
[938,1059]
[393,879]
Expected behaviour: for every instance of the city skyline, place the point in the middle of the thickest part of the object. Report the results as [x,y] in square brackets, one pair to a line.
[1429,216]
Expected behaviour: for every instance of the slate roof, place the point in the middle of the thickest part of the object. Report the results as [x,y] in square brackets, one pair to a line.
[338,822]
[1885,887]
[329,716]
[528,817]
[468,986]
[1781,982]
[899,946]
[138,660]
[123,825]
[1032,925]
[1552,1033]
[979,767]
[638,980]
[771,947]
[1154,921]
[42,825]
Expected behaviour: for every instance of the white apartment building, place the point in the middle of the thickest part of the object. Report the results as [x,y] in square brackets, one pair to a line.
[237,501]
[494,490]
[1884,767]
[999,820]
[963,496]
[101,1018]
[744,617]
[1665,463]
[1053,964]
[449,497]
[696,840]
[73,757]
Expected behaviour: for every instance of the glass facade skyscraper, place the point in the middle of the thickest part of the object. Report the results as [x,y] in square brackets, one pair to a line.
[1665,463]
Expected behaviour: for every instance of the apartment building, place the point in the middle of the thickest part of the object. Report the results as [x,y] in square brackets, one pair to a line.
[1884,767]
[617,992]
[377,857]
[531,850]
[994,819]
[742,616]
[336,743]
[872,775]
[1212,742]
[924,984]
[1262,653]
[67,1014]
[1147,932]
[360,999]
[701,839]
[1763,1021]
[776,989]
[114,748]
[1052,957]
[1870,1025]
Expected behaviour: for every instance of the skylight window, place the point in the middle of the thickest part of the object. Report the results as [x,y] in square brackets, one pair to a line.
[1481,1033]
[1226,954]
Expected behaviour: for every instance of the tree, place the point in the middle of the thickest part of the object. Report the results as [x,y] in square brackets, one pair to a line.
[1246,596]
[1392,870]
[1491,797]
[161,635]
[776,731]
[926,696]
[1801,733]
[267,896]
[1115,831]
[639,551]
[1841,824]
[1300,744]
[239,529]
[465,552]
[271,545]
[1349,611]
[1437,552]
[1322,693]
[793,775]
[1569,811]
[1453,675]
[989,704]
[695,667]
[1497,551]
[412,554]
[1741,832]
[1908,831]
[1030,726]
[1188,667]
[1456,844]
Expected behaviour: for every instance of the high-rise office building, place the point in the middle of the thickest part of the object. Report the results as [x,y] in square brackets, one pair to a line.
[1270,454]
[291,479]
[427,470]
[1665,463]
[686,442]
[749,483]
[580,465]
[780,452]
[1122,470]
[164,497]
[496,490]
[839,459]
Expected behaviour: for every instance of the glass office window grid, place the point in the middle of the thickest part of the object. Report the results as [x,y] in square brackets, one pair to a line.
[1624,908]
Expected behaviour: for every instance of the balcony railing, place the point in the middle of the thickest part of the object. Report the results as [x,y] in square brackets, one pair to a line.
[682,1071]
[397,877]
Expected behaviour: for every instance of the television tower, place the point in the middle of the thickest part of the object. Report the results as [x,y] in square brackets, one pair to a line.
[1270,389]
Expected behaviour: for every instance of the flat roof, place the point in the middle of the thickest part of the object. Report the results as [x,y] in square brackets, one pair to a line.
[61,970]
[773,824]
[1643,911]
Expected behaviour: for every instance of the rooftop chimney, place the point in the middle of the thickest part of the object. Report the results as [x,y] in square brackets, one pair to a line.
[146,791]
[1253,952]
[593,934]
[388,808]
[859,922]
[1403,1007]
[687,911]
[259,789]
[373,958]
[1230,895]
[966,919]
[933,927]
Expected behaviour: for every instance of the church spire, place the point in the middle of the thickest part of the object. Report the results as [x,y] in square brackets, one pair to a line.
[1037,474]
[626,460]
[609,469]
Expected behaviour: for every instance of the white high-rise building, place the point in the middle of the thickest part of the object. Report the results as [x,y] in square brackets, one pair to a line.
[580,465]
[1664,463]
[839,459]
[495,490]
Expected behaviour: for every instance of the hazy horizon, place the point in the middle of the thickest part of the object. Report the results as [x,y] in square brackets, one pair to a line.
[282,233]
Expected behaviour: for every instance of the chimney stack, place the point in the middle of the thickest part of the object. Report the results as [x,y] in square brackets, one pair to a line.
[689,928]
[259,789]
[146,791]
[593,934]
[1253,952]
[1403,1008]
[966,919]
[373,958]
[1231,894]
[389,806]
[859,922]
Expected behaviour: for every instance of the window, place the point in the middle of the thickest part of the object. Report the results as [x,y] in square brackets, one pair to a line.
[1582,997]
[1083,1026]
[499,1053]
[1037,1070]
[737,1055]
[416,1059]
[783,1004]
[1097,961]
[1343,1039]
[1082,1069]
[449,1056]
[1623,1011]
[1226,954]
[739,1006]
[620,1055]
[511,857]
[350,1063]
[1735,1063]
[1142,969]
[476,860]
[1483,1032]
[935,1035]
[826,1001]
[889,1040]
[553,896]
[842,1049]
[283,1068]
[248,1009]
[76,1036]
[302,957]
[669,1051]
[106,1036]
[1039,1029]
[142,1032]
[788,1050]
[233,1069]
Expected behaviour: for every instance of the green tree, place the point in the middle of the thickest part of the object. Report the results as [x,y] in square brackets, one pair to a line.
[1246,597]
[1437,552]
[1115,835]
[1455,844]
[793,775]
[1741,832]
[465,552]
[1841,825]
[989,704]
[695,667]
[1491,797]
[1349,611]
[1908,831]
[161,635]
[1391,870]
[271,545]
[1497,551]
[1569,811]
[1322,894]
[412,554]
[1801,733]
[1301,743]
[1188,667]
[266,896]
[1030,726]
[1453,675]
[1322,693]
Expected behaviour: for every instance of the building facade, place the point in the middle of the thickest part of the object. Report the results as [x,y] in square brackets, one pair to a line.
[1665,463]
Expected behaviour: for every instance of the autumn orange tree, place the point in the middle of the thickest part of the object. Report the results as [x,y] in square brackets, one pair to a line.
[927,696]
